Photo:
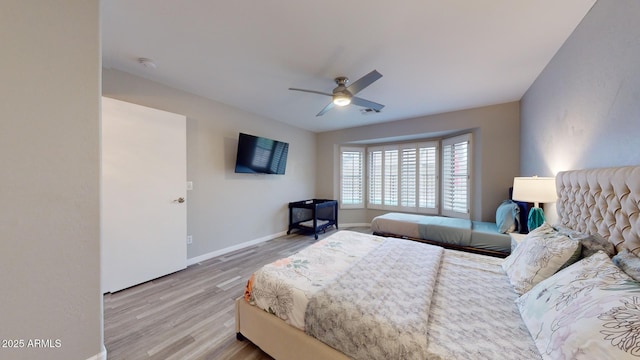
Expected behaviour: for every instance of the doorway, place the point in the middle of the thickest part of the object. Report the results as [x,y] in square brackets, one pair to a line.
[143,194]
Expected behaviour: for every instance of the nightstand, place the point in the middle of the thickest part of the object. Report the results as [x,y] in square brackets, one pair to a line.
[516,238]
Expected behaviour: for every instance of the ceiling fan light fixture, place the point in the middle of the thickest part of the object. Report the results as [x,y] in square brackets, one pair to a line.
[341,100]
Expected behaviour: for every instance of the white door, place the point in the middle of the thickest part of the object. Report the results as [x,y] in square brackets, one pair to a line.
[144,212]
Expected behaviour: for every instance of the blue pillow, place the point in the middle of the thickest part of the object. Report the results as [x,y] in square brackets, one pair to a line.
[507,217]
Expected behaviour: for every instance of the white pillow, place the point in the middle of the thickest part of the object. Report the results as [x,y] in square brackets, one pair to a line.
[540,254]
[588,311]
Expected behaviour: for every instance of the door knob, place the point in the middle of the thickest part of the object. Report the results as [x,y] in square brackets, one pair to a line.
[180,200]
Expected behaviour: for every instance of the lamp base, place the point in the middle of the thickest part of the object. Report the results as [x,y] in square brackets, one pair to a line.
[536,218]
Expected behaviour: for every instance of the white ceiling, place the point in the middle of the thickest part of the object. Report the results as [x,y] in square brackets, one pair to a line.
[435,55]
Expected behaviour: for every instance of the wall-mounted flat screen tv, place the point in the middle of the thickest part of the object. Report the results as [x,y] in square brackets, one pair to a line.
[259,155]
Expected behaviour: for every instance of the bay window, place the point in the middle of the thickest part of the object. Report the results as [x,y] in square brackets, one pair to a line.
[431,177]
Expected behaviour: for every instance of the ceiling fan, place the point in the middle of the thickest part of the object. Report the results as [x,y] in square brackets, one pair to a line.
[344,95]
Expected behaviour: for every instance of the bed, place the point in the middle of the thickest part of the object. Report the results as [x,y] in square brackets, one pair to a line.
[565,292]
[461,234]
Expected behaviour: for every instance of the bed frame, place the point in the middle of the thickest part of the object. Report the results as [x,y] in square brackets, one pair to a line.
[470,249]
[277,338]
[604,201]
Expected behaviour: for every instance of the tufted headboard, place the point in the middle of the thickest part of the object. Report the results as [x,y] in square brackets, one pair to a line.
[604,201]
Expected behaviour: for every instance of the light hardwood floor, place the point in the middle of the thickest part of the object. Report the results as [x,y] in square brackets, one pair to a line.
[190,314]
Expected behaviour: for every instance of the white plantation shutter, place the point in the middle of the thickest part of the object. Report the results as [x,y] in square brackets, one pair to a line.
[383,177]
[352,177]
[408,176]
[428,177]
[456,176]
[375,177]
[390,177]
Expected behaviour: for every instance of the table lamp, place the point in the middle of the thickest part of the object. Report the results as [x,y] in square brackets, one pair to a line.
[536,190]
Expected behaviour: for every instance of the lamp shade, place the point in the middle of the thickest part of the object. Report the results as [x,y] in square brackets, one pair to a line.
[535,189]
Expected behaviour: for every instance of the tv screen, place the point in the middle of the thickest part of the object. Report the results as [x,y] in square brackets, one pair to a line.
[259,155]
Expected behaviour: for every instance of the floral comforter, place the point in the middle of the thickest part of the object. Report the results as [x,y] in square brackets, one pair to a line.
[284,287]
[452,305]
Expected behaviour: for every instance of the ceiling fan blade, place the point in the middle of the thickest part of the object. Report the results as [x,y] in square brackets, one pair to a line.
[363,82]
[326,108]
[311,91]
[366,103]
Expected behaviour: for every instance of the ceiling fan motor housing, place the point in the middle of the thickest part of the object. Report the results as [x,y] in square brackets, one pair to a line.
[341,96]
[342,81]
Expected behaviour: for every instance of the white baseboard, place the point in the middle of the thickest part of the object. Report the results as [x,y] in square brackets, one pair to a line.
[197,259]
[342,226]
[102,355]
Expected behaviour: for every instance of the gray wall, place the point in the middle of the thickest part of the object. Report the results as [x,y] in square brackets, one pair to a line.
[226,209]
[496,154]
[50,164]
[583,111]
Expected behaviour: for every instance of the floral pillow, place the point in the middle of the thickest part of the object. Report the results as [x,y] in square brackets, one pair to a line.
[540,254]
[590,310]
